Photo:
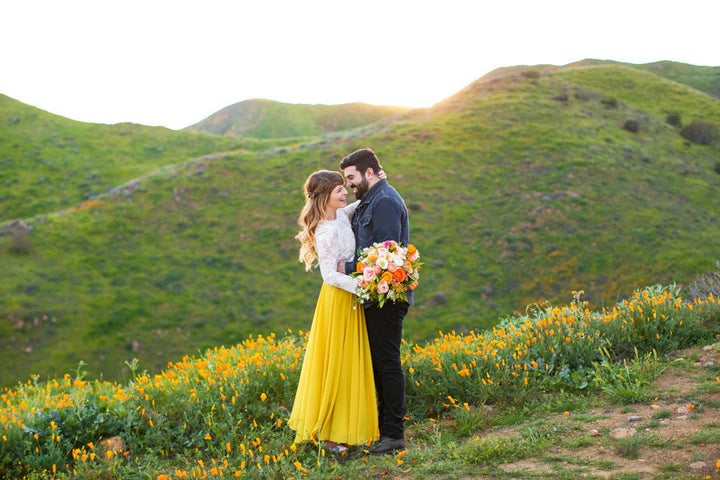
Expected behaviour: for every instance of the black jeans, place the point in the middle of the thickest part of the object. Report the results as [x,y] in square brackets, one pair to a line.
[384,326]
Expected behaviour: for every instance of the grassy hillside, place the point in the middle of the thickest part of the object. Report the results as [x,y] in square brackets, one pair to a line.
[521,188]
[702,78]
[49,163]
[260,118]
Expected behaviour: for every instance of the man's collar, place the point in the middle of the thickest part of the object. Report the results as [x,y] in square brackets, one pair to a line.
[373,190]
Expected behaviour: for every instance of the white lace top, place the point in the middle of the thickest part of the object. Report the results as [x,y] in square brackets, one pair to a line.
[335,242]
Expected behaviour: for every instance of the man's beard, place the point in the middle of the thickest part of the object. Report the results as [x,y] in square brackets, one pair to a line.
[361,190]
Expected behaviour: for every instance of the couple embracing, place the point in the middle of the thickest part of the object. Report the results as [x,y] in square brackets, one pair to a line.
[352,389]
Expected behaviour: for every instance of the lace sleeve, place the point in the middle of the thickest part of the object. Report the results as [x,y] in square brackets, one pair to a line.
[327,242]
[349,210]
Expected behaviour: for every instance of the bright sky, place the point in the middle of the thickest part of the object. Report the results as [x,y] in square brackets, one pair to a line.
[175,62]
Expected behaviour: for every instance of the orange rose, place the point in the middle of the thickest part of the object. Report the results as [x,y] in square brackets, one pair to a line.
[359,267]
[387,276]
[399,275]
[411,249]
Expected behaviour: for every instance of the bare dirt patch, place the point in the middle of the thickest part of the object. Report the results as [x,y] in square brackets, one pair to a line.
[676,436]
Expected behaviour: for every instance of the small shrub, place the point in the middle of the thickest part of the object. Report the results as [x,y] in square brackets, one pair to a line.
[702,133]
[674,119]
[631,126]
[706,284]
[628,151]
[583,94]
[531,74]
[20,242]
[610,102]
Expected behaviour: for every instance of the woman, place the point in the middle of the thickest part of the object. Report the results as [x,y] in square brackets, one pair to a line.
[335,400]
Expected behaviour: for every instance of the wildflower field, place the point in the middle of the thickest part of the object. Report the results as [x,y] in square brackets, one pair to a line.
[224,414]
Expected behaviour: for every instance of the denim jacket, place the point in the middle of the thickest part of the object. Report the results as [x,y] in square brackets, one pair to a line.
[381,215]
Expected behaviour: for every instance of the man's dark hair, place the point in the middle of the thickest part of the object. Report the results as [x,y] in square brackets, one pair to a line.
[362,160]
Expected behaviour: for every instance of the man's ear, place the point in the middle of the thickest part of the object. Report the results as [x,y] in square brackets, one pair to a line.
[369,173]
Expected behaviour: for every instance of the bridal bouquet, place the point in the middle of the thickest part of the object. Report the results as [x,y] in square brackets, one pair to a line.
[388,271]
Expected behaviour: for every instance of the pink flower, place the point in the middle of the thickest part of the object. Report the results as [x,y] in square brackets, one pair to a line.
[369,273]
[382,287]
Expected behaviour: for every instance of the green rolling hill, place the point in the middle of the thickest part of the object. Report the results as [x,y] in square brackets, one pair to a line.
[259,118]
[524,186]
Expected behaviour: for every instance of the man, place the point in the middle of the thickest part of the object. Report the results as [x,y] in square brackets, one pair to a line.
[381,215]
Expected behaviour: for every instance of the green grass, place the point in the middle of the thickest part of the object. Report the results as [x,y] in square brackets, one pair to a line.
[515,197]
[709,435]
[224,413]
[701,78]
[49,163]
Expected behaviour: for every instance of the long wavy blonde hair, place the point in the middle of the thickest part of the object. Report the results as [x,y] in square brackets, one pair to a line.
[317,189]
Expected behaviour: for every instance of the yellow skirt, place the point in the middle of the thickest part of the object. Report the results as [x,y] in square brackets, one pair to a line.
[335,399]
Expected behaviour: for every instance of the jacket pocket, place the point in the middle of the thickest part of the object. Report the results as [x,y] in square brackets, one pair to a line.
[365,231]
